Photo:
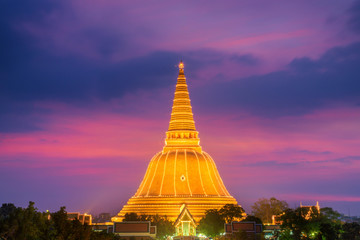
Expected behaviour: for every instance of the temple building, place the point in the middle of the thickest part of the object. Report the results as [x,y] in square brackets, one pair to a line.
[182,180]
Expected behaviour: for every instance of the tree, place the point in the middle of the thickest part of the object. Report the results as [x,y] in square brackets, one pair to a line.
[212,224]
[8,221]
[309,223]
[28,224]
[103,236]
[303,222]
[265,208]
[19,223]
[250,218]
[329,231]
[144,217]
[231,212]
[330,224]
[241,235]
[330,214]
[61,224]
[351,231]
[285,234]
[32,223]
[129,217]
[164,227]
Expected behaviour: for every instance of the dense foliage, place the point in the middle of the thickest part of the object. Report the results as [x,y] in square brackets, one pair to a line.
[308,223]
[265,208]
[212,224]
[231,212]
[302,223]
[27,223]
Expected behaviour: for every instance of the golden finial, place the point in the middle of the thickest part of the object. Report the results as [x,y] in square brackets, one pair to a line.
[181,65]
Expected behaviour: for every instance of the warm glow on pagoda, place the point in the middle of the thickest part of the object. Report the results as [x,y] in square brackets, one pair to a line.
[181,173]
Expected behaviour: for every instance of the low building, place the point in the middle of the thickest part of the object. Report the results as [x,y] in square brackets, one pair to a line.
[107,227]
[252,229]
[276,219]
[103,217]
[83,218]
[186,238]
[139,230]
[185,224]
[270,231]
[310,210]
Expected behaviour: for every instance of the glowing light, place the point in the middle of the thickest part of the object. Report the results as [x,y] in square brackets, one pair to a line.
[182,173]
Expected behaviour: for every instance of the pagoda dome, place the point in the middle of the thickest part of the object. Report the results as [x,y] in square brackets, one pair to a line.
[182,173]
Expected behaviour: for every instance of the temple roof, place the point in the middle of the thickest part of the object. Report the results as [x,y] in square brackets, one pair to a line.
[184,215]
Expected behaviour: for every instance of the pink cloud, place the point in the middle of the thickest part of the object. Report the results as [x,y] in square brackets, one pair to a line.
[103,146]
[320,197]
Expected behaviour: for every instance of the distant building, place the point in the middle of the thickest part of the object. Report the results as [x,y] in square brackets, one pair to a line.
[270,230]
[103,217]
[83,218]
[310,209]
[276,219]
[350,219]
[107,227]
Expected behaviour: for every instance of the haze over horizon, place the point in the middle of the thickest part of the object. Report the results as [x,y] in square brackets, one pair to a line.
[86,90]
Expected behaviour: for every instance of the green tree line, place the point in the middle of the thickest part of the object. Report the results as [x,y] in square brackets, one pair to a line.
[18,223]
[302,223]
[309,223]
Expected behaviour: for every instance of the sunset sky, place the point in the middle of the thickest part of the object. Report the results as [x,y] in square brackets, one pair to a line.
[86,89]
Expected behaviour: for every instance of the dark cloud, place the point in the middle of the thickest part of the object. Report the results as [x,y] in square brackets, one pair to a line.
[17,123]
[39,75]
[354,17]
[293,163]
[105,41]
[29,73]
[301,151]
[16,47]
[306,85]
[21,117]
[272,164]
[246,59]
[347,159]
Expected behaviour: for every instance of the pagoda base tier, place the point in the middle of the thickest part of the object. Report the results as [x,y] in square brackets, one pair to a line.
[171,206]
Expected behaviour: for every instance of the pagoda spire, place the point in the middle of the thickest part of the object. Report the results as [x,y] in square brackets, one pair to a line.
[182,132]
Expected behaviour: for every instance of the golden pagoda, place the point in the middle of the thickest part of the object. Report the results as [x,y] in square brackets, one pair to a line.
[182,173]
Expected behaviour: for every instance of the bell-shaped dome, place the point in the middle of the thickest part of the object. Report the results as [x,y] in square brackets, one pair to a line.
[181,173]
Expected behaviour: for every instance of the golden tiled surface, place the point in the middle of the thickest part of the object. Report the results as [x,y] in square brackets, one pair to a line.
[181,173]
